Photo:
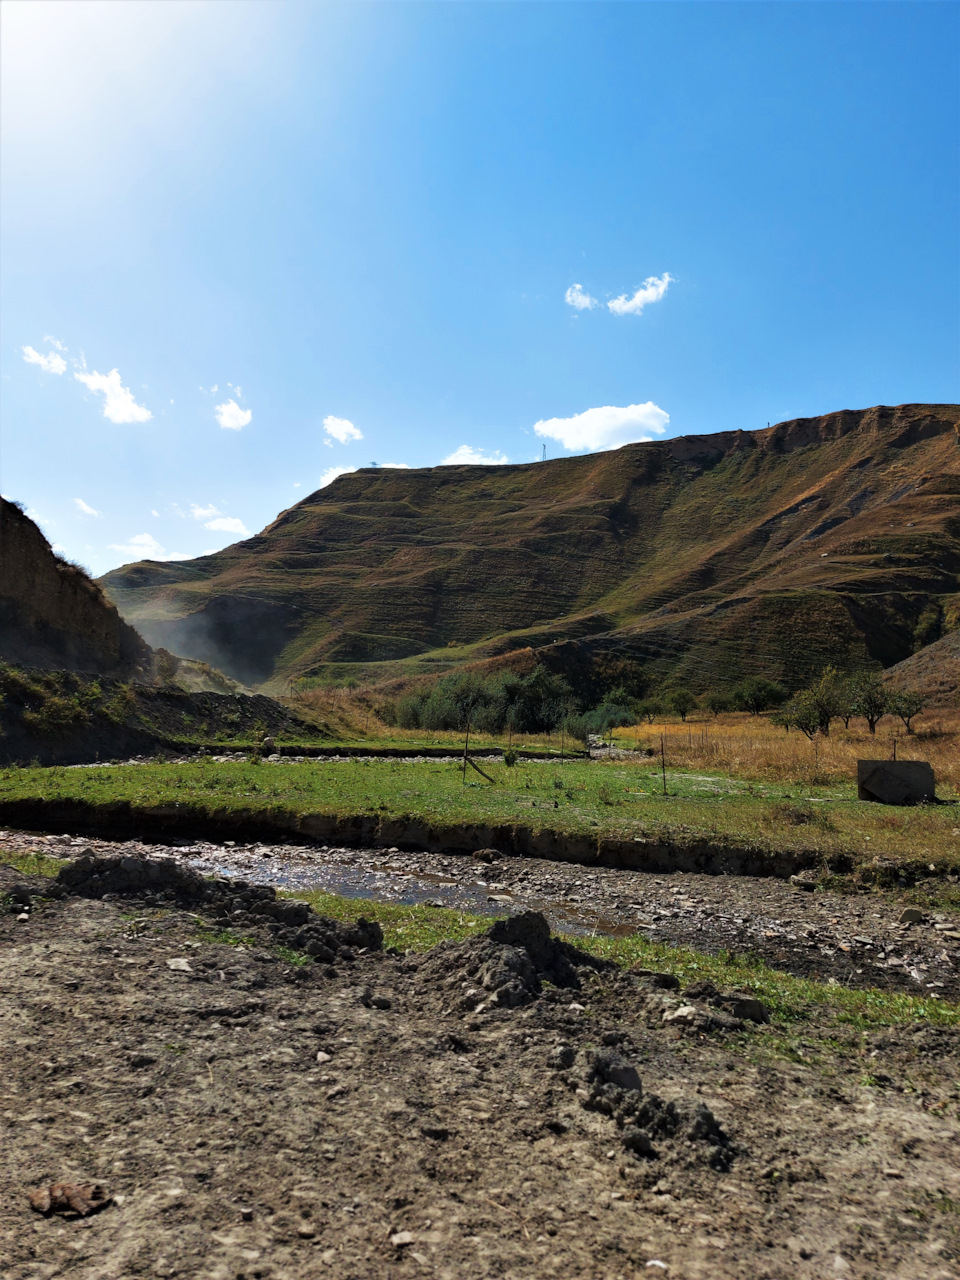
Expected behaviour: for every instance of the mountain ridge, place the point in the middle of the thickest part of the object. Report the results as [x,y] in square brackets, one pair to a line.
[705,556]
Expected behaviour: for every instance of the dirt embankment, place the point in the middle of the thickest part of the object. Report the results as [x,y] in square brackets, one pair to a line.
[52,614]
[505,1106]
[61,717]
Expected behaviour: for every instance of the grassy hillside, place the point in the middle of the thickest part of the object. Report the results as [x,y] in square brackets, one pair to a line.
[709,557]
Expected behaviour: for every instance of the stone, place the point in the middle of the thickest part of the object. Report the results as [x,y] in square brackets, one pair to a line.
[896,781]
[747,1009]
[180,965]
[803,882]
[911,915]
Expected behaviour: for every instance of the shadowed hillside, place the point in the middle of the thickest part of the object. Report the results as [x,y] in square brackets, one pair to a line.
[822,539]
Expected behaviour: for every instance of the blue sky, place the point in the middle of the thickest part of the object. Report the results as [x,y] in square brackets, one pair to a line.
[247,244]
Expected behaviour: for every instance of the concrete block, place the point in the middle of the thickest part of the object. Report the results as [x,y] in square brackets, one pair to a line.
[895,781]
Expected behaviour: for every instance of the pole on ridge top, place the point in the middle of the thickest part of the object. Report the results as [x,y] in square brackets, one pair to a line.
[544,457]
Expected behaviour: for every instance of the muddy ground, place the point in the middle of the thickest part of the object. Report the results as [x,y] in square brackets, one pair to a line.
[474,1112]
[857,939]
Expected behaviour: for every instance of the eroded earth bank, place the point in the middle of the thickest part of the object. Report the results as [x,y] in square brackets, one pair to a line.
[502,1106]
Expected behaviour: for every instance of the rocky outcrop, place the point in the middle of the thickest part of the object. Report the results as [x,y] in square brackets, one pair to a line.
[52,614]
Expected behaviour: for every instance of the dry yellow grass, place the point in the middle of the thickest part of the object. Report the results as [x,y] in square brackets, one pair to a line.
[751,747]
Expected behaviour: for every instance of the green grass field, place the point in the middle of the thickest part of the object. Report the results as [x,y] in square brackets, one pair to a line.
[616,800]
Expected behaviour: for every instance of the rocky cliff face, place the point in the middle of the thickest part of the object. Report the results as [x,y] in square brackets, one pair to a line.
[52,614]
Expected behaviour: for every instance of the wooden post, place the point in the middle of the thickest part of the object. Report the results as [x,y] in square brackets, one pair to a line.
[466,744]
[663,764]
[561,743]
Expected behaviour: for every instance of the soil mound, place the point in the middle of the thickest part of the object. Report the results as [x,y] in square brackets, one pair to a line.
[161,882]
[507,966]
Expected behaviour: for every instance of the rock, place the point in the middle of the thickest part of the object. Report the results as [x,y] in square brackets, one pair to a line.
[747,1009]
[637,1141]
[896,781]
[561,1057]
[663,981]
[805,881]
[400,1239]
[687,1015]
[485,855]
[267,746]
[911,915]
[180,965]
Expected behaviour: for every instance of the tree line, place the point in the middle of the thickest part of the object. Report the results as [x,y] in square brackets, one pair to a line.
[544,702]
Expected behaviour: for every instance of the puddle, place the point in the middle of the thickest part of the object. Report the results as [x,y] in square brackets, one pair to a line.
[391,884]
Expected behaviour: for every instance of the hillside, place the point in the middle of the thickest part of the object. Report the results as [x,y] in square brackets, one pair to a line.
[823,539]
[934,671]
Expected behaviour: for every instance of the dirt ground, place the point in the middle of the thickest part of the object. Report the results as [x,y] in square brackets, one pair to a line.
[858,939]
[496,1108]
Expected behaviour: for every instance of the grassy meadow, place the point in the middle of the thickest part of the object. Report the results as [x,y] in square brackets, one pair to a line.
[730,788]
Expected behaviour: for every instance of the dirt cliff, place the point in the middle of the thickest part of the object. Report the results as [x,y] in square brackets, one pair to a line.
[52,614]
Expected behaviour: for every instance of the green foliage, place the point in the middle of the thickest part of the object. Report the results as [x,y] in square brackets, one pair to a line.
[682,702]
[717,703]
[534,703]
[906,703]
[649,709]
[869,698]
[756,694]
[811,710]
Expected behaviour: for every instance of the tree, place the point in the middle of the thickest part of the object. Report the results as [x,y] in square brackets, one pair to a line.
[811,710]
[869,698]
[756,694]
[718,702]
[649,709]
[906,703]
[682,702]
[801,712]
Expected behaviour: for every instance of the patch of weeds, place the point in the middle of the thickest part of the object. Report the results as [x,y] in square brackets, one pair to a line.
[33,863]
[298,958]
[226,937]
[175,1048]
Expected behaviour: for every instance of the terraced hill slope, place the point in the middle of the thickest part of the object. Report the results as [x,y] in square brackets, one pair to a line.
[834,538]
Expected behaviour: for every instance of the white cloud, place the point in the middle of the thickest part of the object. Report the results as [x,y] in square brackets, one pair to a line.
[575,297]
[341,429]
[331,474]
[606,428]
[228,524]
[155,513]
[118,402]
[396,466]
[54,342]
[231,417]
[466,454]
[652,290]
[51,363]
[85,507]
[144,546]
[203,513]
